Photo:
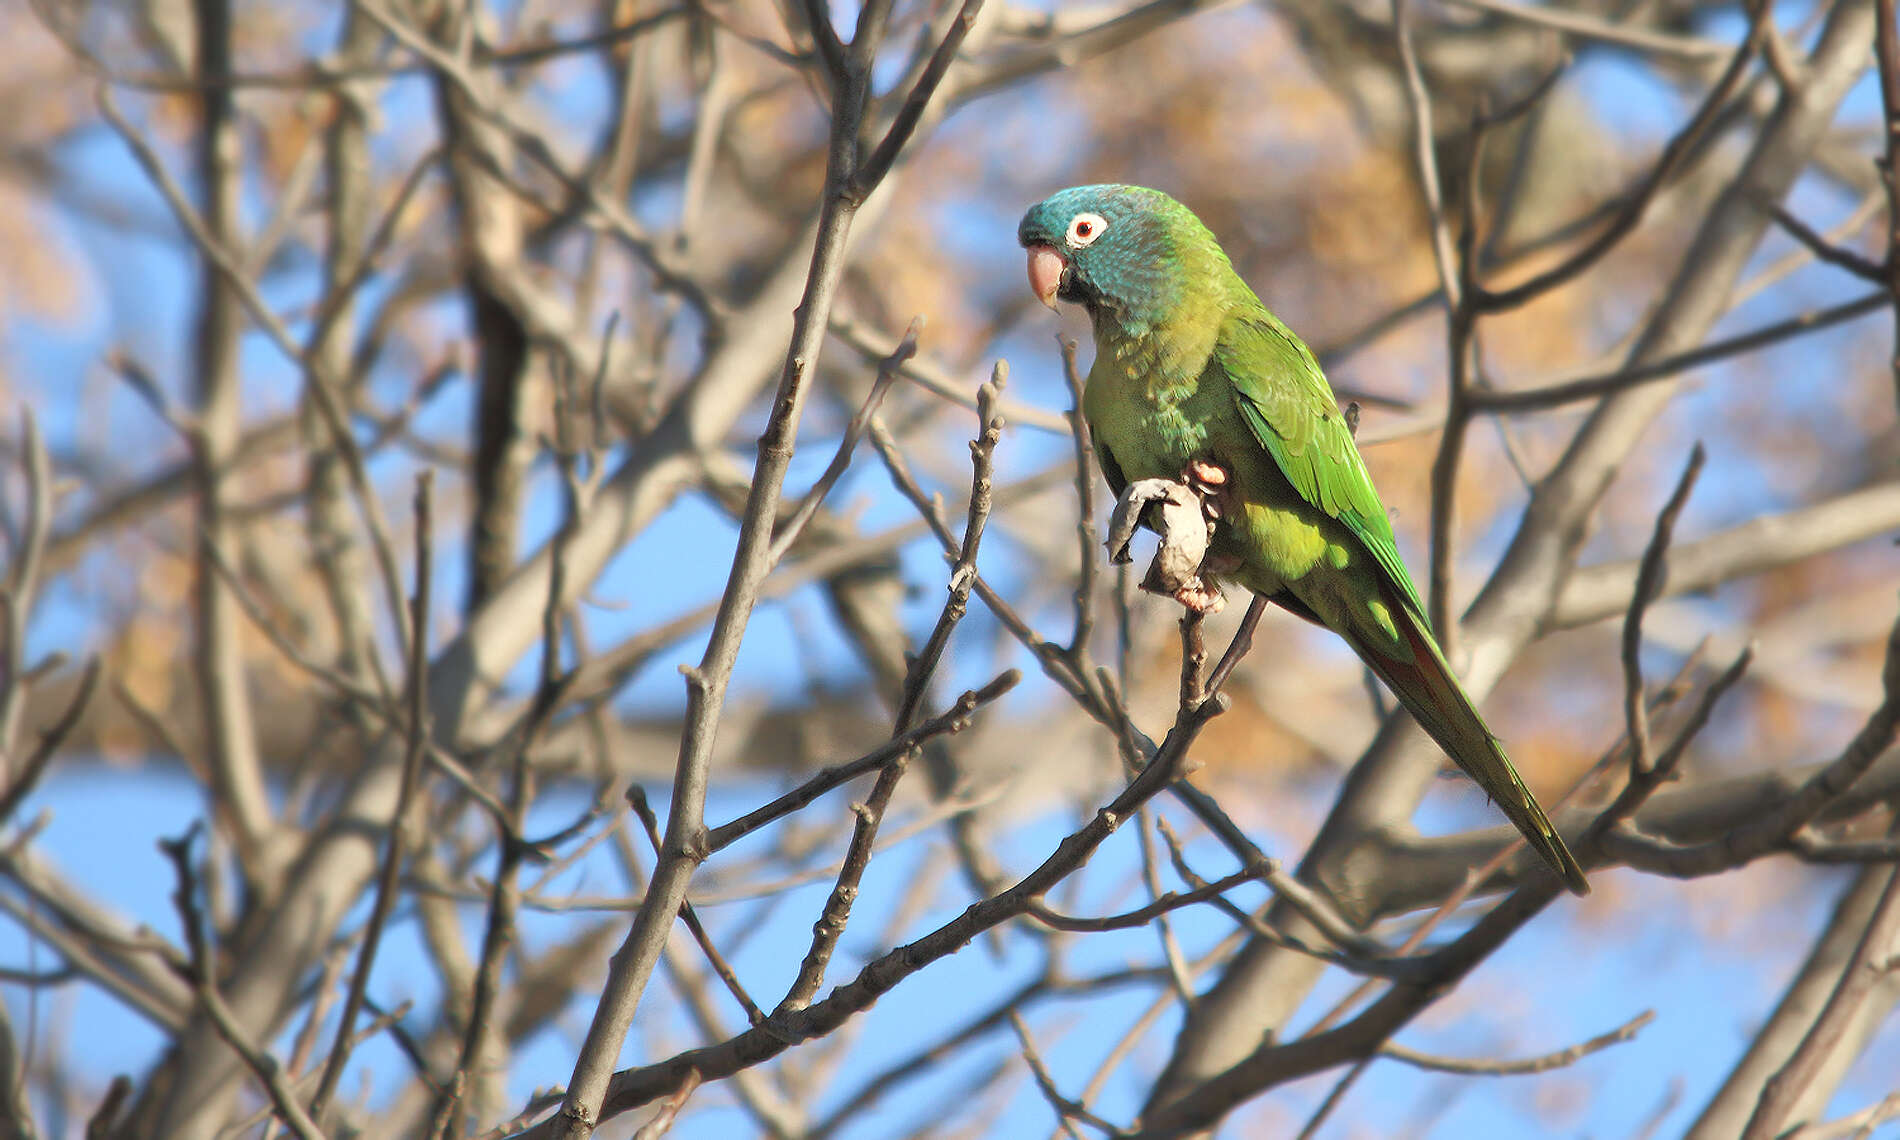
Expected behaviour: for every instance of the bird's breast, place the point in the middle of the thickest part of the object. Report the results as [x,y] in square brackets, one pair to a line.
[1147,421]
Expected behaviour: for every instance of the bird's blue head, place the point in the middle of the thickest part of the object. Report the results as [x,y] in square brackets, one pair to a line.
[1126,250]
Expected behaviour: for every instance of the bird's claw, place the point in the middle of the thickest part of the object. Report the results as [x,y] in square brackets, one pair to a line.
[1198,596]
[1209,480]
[1204,473]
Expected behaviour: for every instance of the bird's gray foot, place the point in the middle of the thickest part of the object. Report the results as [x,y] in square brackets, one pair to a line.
[1179,513]
[1174,511]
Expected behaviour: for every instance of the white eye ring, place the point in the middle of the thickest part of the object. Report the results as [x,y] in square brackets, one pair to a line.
[1084,229]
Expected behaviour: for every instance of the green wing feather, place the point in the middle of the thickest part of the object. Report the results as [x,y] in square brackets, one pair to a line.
[1289,408]
[1285,400]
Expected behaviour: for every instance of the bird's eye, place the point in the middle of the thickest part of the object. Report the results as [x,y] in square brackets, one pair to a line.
[1084,229]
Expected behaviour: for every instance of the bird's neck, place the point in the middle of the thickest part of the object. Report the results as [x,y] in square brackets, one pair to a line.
[1166,349]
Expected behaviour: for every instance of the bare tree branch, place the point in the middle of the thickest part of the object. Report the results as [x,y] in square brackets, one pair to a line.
[1541,1064]
[1865,967]
[396,845]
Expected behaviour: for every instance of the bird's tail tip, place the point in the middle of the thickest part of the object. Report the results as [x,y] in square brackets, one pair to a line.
[1573,874]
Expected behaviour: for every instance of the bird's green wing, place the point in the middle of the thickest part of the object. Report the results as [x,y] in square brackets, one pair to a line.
[1285,401]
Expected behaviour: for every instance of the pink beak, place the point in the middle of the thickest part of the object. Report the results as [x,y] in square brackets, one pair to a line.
[1045,273]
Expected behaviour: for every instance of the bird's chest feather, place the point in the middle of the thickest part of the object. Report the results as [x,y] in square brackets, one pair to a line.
[1147,405]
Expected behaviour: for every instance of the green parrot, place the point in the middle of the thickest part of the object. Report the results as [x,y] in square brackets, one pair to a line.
[1195,381]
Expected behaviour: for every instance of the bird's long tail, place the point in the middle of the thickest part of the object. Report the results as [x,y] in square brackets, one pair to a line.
[1428,690]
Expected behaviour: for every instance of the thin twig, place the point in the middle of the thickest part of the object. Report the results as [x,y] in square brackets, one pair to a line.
[1425,154]
[1688,48]
[21,585]
[1547,396]
[1887,53]
[637,799]
[1610,830]
[1825,250]
[837,912]
[1866,967]
[1333,1098]
[917,1062]
[1543,1063]
[1141,916]
[504,896]
[887,371]
[786,1028]
[323,386]
[1637,203]
[935,378]
[905,121]
[952,720]
[412,764]
[669,1110]
[1772,829]
[51,737]
[1808,847]
[1358,953]
[845,183]
[1086,537]
[1236,649]
[1065,1108]
[1856,1126]
[315,75]
[1649,582]
[199,971]
[1164,930]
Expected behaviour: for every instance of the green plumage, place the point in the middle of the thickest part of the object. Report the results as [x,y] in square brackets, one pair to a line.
[1190,366]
